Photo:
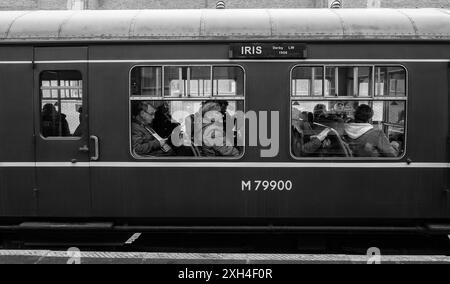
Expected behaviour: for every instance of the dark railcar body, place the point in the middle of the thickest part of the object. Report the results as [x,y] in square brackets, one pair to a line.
[50,179]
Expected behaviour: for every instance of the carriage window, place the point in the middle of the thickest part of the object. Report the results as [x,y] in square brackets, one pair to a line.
[194,118]
[390,81]
[360,126]
[183,81]
[61,95]
[307,81]
[146,81]
[225,81]
[348,81]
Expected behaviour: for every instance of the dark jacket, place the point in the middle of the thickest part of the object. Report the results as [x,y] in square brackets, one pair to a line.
[365,141]
[143,143]
[303,145]
[55,125]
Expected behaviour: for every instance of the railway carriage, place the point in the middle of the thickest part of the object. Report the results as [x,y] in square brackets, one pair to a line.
[82,73]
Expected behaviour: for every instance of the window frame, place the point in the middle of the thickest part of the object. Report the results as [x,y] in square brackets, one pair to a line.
[59,88]
[371,98]
[188,99]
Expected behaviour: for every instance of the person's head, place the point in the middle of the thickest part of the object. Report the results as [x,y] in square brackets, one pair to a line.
[310,117]
[49,110]
[363,114]
[319,110]
[304,115]
[339,108]
[210,106]
[145,112]
[211,112]
[223,106]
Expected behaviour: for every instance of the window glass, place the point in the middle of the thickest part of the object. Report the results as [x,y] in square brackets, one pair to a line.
[192,119]
[228,81]
[307,81]
[361,125]
[199,81]
[76,4]
[146,81]
[347,129]
[200,124]
[61,103]
[340,81]
[187,81]
[390,81]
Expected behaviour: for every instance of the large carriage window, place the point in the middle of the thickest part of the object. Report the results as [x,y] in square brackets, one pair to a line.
[367,122]
[189,111]
[61,94]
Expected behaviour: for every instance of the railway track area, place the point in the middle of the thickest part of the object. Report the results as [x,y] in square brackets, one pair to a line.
[151,248]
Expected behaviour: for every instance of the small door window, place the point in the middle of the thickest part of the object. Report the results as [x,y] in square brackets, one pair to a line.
[61,103]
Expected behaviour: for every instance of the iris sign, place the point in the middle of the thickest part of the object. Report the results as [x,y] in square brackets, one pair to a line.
[267,50]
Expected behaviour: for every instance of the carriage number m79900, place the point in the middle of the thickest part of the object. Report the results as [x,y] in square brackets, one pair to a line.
[266,185]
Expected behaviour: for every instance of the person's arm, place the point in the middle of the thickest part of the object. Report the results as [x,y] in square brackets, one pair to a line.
[312,146]
[225,150]
[315,142]
[140,146]
[384,147]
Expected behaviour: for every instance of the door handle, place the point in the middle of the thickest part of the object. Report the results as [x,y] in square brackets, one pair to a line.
[96,151]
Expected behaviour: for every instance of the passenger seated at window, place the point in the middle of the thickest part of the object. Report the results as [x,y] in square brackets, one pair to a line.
[163,123]
[144,140]
[211,132]
[364,140]
[54,124]
[302,120]
[333,119]
[323,140]
[304,143]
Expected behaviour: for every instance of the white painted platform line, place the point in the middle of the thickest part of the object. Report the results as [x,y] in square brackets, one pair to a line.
[231,257]
[133,238]
[24,252]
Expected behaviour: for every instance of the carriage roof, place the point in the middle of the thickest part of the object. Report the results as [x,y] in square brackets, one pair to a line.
[226,25]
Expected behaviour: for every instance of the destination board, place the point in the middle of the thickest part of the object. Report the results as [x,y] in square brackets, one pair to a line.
[267,50]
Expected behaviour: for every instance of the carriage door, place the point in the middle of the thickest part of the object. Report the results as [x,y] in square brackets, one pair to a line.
[61,131]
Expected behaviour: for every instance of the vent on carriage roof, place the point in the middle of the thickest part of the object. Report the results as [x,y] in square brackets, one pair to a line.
[335,4]
[220,5]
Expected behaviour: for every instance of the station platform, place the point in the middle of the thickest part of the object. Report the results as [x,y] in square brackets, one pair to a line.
[74,256]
